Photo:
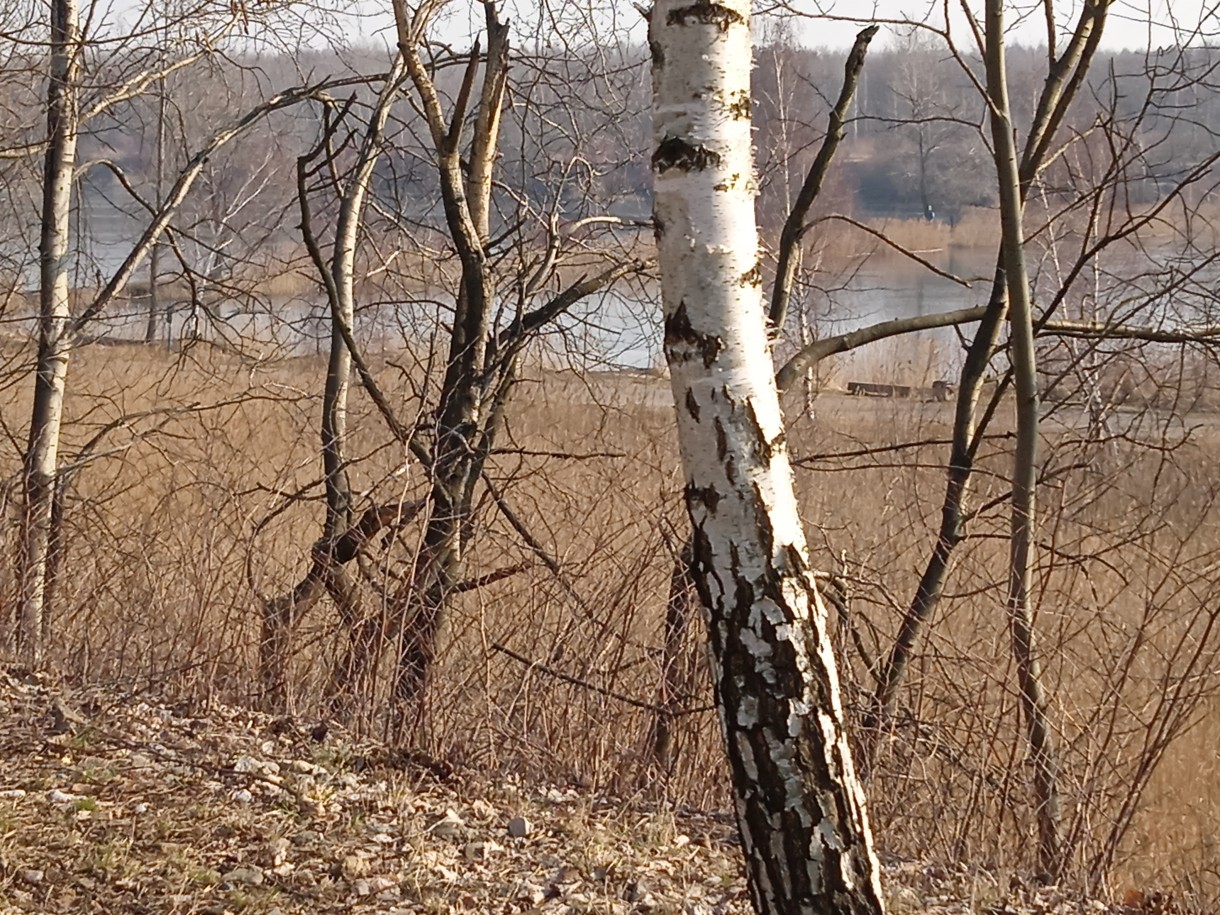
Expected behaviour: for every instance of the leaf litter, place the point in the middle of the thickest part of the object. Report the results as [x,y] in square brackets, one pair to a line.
[111,803]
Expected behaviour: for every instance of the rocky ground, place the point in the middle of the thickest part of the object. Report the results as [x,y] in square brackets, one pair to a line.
[117,804]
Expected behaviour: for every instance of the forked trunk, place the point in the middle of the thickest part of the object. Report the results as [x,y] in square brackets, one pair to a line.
[463,418]
[326,573]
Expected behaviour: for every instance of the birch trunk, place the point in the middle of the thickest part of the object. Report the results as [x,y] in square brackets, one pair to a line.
[151,329]
[54,339]
[799,805]
[1024,478]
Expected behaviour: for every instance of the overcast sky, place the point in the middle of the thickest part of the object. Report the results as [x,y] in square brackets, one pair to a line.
[1133,24]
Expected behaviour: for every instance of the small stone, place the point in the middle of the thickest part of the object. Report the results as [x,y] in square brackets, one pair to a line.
[354,866]
[12,793]
[245,876]
[276,852]
[32,876]
[481,851]
[448,826]
[519,827]
[140,809]
[362,888]
[242,796]
[253,766]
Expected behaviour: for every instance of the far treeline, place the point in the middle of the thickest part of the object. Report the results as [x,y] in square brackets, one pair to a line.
[914,149]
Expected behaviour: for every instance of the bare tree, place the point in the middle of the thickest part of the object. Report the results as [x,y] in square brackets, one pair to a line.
[1025,466]
[59,328]
[799,806]
[326,572]
[42,452]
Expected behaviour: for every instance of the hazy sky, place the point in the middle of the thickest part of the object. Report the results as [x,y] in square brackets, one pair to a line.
[1134,24]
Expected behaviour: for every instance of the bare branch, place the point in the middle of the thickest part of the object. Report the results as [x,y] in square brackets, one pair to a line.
[795,226]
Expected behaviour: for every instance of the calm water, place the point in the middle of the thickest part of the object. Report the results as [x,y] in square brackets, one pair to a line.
[622,328]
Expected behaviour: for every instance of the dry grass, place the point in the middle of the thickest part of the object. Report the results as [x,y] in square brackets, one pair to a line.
[137,806]
[205,502]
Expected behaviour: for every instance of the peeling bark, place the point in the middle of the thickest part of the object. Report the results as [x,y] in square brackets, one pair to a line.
[799,805]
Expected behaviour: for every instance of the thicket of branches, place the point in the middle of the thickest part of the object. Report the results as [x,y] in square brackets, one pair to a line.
[344,430]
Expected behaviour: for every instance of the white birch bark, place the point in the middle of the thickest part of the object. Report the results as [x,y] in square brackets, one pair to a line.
[54,339]
[799,804]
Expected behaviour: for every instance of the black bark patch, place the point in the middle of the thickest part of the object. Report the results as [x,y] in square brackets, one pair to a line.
[692,406]
[706,496]
[741,106]
[675,152]
[762,524]
[658,53]
[763,448]
[679,332]
[716,14]
[722,440]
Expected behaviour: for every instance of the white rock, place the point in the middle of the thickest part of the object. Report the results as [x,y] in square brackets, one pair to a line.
[276,852]
[250,764]
[12,793]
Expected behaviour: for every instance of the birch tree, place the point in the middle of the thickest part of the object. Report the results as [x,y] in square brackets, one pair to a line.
[799,806]
[59,328]
[42,452]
